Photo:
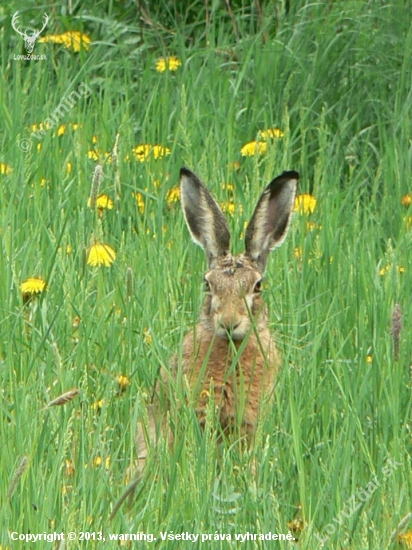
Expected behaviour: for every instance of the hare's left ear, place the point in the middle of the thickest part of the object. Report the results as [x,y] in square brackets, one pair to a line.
[204,218]
[270,221]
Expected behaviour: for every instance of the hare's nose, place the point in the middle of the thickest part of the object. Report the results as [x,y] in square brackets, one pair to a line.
[229,324]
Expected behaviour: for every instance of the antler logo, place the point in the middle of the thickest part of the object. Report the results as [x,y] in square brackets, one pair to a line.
[29,39]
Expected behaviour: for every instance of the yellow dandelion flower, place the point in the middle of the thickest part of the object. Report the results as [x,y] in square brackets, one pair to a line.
[53,38]
[141,152]
[5,168]
[69,167]
[229,187]
[74,125]
[122,382]
[97,461]
[270,133]
[406,200]
[32,285]
[93,154]
[304,204]
[139,201]
[61,130]
[173,194]
[171,63]
[383,270]
[230,208]
[72,40]
[41,126]
[102,201]
[101,254]
[98,405]
[43,182]
[387,268]
[253,148]
[368,359]
[405,538]
[94,140]
[159,151]
[297,252]
[38,147]
[68,249]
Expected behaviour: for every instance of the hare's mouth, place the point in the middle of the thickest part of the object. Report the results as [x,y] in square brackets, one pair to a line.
[234,331]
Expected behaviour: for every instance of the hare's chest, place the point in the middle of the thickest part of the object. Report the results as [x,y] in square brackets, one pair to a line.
[231,382]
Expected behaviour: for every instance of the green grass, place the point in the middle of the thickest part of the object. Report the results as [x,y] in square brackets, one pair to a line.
[335,77]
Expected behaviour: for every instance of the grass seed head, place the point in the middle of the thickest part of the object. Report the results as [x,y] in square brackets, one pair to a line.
[97,178]
[396,327]
[17,475]
[64,398]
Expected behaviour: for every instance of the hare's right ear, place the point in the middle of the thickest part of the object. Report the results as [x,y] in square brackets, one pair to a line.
[204,218]
[270,221]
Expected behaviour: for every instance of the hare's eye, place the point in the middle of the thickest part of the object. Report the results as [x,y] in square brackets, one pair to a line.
[206,287]
[258,286]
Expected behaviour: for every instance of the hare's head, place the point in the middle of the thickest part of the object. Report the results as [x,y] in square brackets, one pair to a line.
[233,282]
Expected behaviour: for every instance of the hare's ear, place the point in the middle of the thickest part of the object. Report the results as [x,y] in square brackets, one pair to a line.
[204,218]
[269,224]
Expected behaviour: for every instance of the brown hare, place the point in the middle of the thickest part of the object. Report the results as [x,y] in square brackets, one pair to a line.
[230,356]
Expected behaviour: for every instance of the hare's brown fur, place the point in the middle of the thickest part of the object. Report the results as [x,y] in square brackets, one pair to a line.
[237,379]
[230,355]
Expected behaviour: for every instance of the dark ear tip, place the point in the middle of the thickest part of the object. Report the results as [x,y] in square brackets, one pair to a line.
[290,174]
[185,172]
[284,178]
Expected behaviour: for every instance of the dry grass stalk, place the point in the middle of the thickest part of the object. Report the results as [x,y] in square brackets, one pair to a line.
[63,398]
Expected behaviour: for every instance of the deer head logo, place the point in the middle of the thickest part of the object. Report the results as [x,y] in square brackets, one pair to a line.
[29,39]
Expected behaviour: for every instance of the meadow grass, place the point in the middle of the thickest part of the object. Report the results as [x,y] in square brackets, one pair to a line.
[335,78]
